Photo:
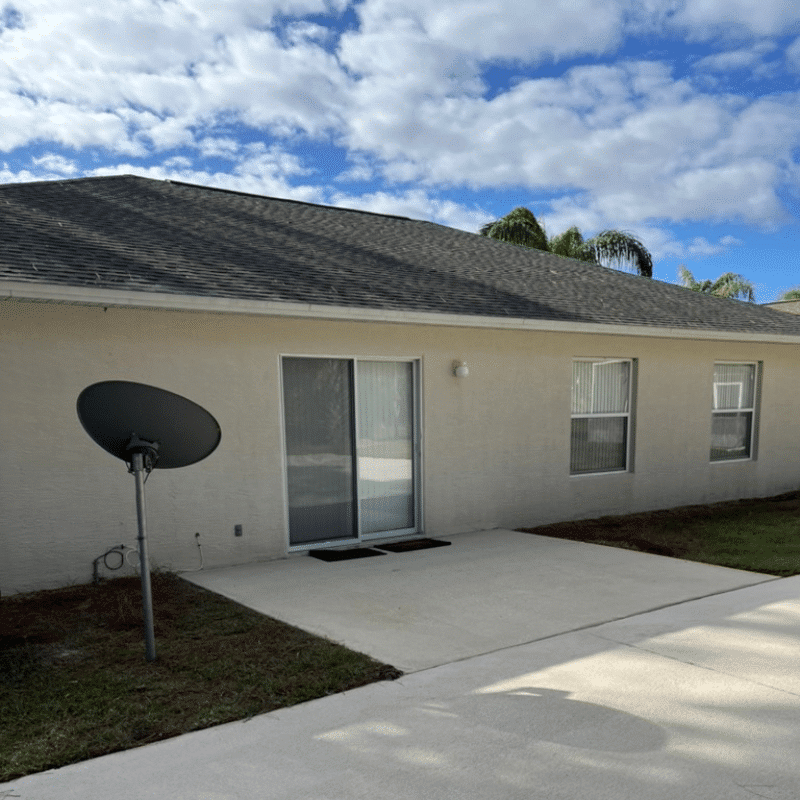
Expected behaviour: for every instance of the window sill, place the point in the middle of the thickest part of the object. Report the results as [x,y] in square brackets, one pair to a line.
[597,474]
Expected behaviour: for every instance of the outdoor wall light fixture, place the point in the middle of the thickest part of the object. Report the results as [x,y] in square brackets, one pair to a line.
[460,369]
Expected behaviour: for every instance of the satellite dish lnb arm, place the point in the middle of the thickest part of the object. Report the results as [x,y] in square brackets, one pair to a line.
[149,451]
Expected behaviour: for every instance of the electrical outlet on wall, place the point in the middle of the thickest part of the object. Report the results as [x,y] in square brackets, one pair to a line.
[238,530]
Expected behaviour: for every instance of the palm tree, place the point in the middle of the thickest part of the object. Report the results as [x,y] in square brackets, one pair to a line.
[610,248]
[571,244]
[728,285]
[517,227]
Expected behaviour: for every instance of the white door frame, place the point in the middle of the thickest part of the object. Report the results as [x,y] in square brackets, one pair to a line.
[359,537]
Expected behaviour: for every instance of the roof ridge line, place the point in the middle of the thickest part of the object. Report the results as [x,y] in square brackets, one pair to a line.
[174,182]
[279,199]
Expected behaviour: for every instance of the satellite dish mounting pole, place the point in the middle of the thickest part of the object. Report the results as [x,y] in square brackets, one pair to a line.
[175,433]
[143,454]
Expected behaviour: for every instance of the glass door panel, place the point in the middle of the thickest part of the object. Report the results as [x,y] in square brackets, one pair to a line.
[385,446]
[350,449]
[318,411]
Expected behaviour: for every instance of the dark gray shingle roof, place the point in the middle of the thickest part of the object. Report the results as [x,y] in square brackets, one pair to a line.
[132,233]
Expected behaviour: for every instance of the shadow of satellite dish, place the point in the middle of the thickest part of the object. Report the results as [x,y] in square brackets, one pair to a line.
[147,428]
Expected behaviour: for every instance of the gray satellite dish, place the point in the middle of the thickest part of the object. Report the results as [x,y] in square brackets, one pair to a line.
[147,428]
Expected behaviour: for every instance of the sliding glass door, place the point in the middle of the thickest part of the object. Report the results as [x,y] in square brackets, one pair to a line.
[351,449]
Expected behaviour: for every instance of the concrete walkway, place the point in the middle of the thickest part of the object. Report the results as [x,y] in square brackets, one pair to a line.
[698,699]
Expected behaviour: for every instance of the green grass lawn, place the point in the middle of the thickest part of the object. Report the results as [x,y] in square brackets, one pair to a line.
[74,683]
[761,535]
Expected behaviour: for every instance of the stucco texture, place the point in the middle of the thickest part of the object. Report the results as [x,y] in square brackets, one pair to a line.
[495,445]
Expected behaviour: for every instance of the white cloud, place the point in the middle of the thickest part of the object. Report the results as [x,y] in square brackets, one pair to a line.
[767,128]
[7,175]
[361,169]
[60,41]
[218,147]
[634,142]
[258,169]
[27,120]
[416,204]
[507,29]
[54,164]
[133,72]
[267,85]
[404,97]
[177,162]
[730,241]
[700,246]
[662,244]
[699,20]
[706,18]
[261,160]
[749,58]
[793,55]
[249,179]
[659,240]
[298,33]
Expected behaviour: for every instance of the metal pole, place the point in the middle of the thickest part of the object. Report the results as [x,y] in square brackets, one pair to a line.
[137,465]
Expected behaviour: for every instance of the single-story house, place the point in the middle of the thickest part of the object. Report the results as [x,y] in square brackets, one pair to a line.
[374,377]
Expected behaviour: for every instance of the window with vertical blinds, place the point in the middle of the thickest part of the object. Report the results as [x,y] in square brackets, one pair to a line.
[732,411]
[601,411]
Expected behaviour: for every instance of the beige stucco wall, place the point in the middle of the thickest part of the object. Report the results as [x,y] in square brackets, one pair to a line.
[496,444]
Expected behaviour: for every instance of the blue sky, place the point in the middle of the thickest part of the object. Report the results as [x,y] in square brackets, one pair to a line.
[676,120]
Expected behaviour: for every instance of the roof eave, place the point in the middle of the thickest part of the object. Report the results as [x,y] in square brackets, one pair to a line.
[111,298]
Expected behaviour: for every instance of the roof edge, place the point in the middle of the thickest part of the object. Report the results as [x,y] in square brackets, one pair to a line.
[205,187]
[110,298]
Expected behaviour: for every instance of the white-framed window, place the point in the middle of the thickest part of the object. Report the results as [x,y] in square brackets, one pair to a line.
[733,408]
[602,390]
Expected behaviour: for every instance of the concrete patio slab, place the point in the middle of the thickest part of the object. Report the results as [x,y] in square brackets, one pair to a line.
[486,591]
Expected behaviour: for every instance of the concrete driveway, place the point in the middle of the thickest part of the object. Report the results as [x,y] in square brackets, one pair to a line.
[700,698]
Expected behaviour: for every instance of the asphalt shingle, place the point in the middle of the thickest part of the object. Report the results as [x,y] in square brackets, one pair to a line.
[138,234]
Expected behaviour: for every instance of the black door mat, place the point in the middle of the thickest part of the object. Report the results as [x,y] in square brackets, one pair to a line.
[345,555]
[414,544]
